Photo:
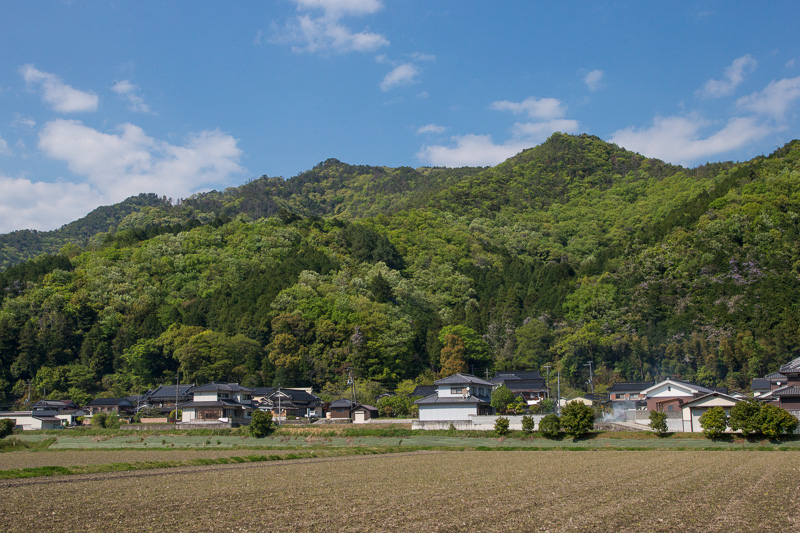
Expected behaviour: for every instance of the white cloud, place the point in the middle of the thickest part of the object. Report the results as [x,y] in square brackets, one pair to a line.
[536,108]
[431,128]
[60,96]
[130,162]
[470,150]
[734,76]
[774,100]
[404,74]
[481,150]
[592,79]
[678,139]
[43,206]
[326,32]
[4,149]
[130,92]
[24,121]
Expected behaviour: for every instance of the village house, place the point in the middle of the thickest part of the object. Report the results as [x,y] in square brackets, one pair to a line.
[669,395]
[29,420]
[530,385]
[215,402]
[299,403]
[163,398]
[120,406]
[785,386]
[457,397]
[692,410]
[341,409]
[363,412]
[65,410]
[629,394]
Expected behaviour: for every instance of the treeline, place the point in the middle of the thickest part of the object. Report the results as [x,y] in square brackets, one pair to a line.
[573,251]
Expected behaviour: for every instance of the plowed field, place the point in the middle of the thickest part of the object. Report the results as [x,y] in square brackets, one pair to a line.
[429,491]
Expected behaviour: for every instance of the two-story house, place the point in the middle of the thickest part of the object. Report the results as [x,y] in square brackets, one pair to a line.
[219,402]
[457,397]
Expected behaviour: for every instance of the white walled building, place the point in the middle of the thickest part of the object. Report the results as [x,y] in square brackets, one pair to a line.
[457,397]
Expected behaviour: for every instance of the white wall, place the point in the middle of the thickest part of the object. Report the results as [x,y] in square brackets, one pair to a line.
[447,412]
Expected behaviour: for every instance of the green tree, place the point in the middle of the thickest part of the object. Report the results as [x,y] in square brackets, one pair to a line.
[393,406]
[501,426]
[714,422]
[261,424]
[528,424]
[99,420]
[658,422]
[502,397]
[747,417]
[6,427]
[577,419]
[777,421]
[550,425]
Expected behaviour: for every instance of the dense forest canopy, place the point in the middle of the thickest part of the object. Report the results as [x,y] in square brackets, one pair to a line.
[572,251]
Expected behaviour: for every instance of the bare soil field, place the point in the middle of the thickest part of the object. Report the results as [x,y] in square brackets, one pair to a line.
[435,491]
[25,459]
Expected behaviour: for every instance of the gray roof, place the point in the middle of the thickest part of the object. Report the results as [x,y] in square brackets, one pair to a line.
[223,387]
[342,403]
[789,390]
[460,379]
[219,403]
[775,376]
[435,399]
[792,367]
[517,374]
[167,392]
[424,390]
[631,386]
[760,384]
[110,401]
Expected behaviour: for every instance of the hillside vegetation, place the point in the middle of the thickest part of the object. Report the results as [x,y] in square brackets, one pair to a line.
[572,251]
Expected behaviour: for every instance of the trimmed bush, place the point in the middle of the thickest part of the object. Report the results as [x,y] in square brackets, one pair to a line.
[550,426]
[747,417]
[714,422]
[501,426]
[577,419]
[776,421]
[261,424]
[528,424]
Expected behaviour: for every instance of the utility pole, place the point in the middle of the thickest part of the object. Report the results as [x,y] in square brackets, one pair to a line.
[558,397]
[177,385]
[279,404]
[591,377]
[547,380]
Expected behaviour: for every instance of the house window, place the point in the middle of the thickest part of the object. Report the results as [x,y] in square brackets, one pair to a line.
[669,408]
[455,390]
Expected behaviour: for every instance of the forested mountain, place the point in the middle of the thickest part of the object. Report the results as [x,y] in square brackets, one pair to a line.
[572,251]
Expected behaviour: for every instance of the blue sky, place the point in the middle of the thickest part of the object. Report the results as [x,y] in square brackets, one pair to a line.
[101,100]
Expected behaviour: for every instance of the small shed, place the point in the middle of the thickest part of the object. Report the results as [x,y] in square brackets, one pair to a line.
[362,413]
[693,410]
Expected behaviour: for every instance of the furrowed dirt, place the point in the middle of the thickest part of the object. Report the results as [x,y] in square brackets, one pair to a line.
[443,491]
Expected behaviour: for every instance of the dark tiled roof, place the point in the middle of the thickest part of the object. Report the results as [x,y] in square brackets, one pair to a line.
[424,390]
[789,390]
[631,386]
[366,408]
[297,395]
[219,403]
[223,387]
[110,401]
[792,367]
[168,392]
[760,384]
[526,385]
[341,403]
[517,374]
[775,376]
[263,391]
[435,399]
[459,379]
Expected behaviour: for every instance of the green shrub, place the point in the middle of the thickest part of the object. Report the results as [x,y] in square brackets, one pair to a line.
[658,422]
[6,427]
[776,421]
[528,424]
[747,417]
[99,420]
[550,425]
[261,424]
[577,419]
[714,422]
[501,426]
[501,397]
